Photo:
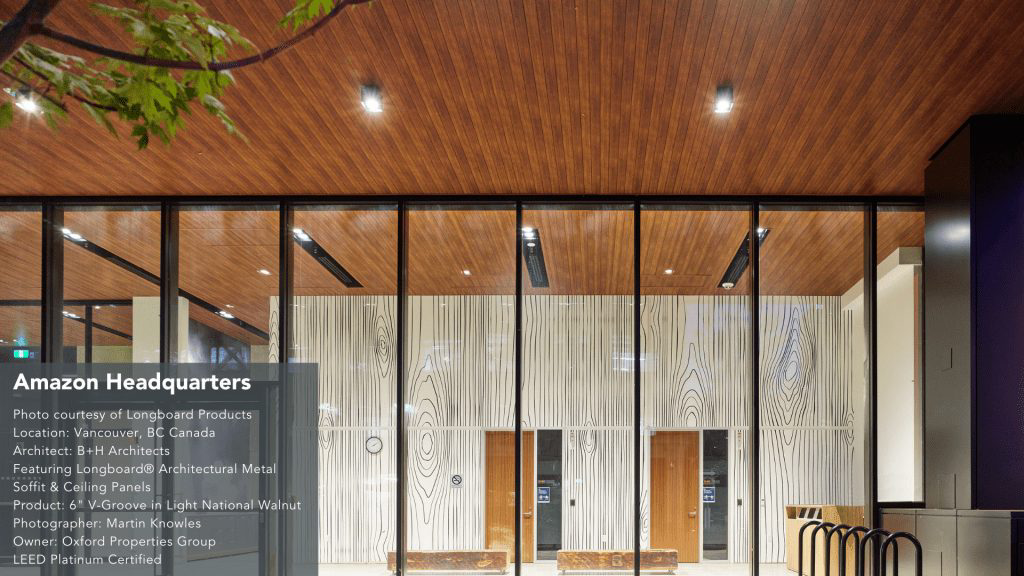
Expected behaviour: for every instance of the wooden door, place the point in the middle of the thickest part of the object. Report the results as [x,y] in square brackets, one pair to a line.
[675,483]
[501,493]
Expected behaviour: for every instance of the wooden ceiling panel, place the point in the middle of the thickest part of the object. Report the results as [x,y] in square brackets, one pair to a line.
[587,251]
[221,253]
[697,245]
[534,96]
[363,241]
[445,242]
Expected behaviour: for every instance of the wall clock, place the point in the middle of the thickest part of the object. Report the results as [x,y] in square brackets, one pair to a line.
[374,444]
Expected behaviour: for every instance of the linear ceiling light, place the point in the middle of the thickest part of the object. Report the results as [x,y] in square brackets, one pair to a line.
[321,255]
[741,260]
[109,256]
[533,254]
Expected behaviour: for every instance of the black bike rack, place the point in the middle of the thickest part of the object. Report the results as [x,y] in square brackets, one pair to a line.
[892,539]
[800,547]
[814,544]
[877,535]
[828,546]
[855,531]
[880,540]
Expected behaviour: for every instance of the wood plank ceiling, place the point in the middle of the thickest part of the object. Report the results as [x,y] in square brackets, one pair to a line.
[576,97]
[586,251]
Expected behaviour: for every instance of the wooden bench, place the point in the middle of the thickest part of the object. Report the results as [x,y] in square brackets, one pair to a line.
[650,560]
[452,560]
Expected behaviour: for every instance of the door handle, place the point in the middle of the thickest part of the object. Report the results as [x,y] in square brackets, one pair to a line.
[527,514]
[693,514]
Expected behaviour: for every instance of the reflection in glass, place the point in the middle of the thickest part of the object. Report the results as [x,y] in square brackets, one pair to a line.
[344,319]
[20,284]
[695,327]
[229,280]
[459,394]
[111,284]
[812,358]
[578,378]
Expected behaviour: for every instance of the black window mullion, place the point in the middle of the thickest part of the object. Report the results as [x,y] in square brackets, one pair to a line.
[400,424]
[871,373]
[637,437]
[754,415]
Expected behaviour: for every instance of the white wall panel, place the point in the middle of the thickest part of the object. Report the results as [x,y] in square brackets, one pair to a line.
[577,377]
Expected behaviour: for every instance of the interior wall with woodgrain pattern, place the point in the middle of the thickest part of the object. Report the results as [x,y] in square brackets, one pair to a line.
[577,376]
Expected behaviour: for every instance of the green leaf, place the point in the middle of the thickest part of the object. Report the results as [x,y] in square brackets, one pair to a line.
[6,114]
[100,116]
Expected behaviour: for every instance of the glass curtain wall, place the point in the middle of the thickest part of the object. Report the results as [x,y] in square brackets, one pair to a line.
[20,342]
[111,284]
[578,379]
[900,327]
[695,338]
[229,280]
[21,284]
[577,361]
[344,319]
[812,373]
[459,390]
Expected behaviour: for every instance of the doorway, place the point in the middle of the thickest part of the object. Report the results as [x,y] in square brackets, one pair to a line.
[501,493]
[549,494]
[675,472]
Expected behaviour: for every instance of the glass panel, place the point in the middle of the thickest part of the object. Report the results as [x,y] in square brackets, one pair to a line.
[715,495]
[20,284]
[695,327]
[344,319]
[229,281]
[812,372]
[459,389]
[111,284]
[20,339]
[900,344]
[578,379]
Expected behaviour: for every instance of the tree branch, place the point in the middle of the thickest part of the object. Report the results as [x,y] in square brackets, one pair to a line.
[267,54]
[41,76]
[41,94]
[18,29]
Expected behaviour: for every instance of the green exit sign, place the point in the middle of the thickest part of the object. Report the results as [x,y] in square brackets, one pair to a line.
[20,353]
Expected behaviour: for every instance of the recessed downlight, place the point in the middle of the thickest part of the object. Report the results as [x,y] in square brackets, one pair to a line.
[264,271]
[466,272]
[369,95]
[723,99]
[669,271]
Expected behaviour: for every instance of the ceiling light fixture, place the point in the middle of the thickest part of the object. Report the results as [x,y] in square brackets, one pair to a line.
[723,99]
[669,271]
[533,257]
[321,255]
[71,235]
[370,96]
[224,314]
[264,271]
[23,99]
[466,272]
[741,260]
